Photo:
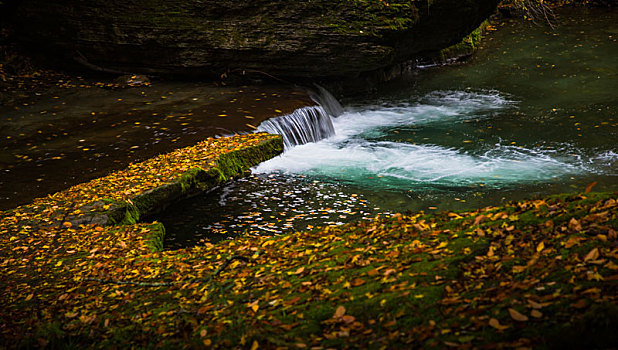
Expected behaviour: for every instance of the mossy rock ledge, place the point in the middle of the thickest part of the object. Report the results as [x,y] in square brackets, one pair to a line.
[300,39]
[198,179]
[128,196]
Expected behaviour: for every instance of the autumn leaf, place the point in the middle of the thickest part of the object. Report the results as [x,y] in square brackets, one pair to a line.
[592,255]
[589,187]
[517,316]
[575,225]
[339,312]
[496,324]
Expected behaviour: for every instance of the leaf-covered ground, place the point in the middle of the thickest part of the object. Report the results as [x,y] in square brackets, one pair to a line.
[539,273]
[529,274]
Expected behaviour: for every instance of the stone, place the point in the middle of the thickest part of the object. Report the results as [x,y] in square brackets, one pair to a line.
[280,39]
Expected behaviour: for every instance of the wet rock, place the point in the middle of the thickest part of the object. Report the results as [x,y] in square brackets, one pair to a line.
[129,80]
[300,39]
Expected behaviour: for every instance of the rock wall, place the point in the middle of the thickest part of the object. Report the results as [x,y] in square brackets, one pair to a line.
[312,38]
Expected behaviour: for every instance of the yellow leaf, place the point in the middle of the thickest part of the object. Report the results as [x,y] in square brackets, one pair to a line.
[518,268]
[30,296]
[300,270]
[207,342]
[540,247]
[517,316]
[255,345]
[59,263]
[536,314]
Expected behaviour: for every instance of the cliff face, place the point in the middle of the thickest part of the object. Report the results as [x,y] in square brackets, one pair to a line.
[310,38]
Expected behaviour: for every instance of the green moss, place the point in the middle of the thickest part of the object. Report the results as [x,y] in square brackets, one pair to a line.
[192,182]
[466,47]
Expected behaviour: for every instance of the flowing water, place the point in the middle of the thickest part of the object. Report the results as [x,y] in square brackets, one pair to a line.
[533,113]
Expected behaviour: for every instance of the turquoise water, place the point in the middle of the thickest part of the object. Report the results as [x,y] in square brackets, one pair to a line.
[533,113]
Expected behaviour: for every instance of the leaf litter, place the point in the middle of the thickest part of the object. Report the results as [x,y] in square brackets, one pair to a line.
[522,275]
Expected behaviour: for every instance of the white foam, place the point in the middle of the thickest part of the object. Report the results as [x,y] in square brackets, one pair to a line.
[349,156]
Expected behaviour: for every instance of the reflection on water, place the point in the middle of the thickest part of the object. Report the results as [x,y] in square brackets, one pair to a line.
[76,131]
[263,205]
[533,113]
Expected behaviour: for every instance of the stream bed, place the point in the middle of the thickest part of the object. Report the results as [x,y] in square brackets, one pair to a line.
[532,113]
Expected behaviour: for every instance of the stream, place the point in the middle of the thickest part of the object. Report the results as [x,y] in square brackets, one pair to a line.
[532,113]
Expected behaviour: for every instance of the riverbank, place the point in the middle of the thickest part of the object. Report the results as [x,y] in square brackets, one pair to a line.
[538,273]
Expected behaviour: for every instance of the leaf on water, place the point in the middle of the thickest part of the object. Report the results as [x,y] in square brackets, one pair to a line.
[517,316]
[540,247]
[590,186]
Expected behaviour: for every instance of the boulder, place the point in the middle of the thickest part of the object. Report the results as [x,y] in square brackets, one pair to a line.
[300,39]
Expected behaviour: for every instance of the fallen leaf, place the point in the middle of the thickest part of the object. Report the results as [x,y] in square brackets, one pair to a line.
[575,225]
[339,312]
[580,304]
[517,316]
[592,255]
[348,319]
[495,324]
[590,186]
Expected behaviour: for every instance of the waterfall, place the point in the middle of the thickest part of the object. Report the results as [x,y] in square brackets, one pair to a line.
[304,125]
[325,99]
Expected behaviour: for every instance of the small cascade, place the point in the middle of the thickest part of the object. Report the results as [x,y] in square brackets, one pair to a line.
[325,99]
[304,125]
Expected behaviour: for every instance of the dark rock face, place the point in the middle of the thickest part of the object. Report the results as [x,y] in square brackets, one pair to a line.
[309,38]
